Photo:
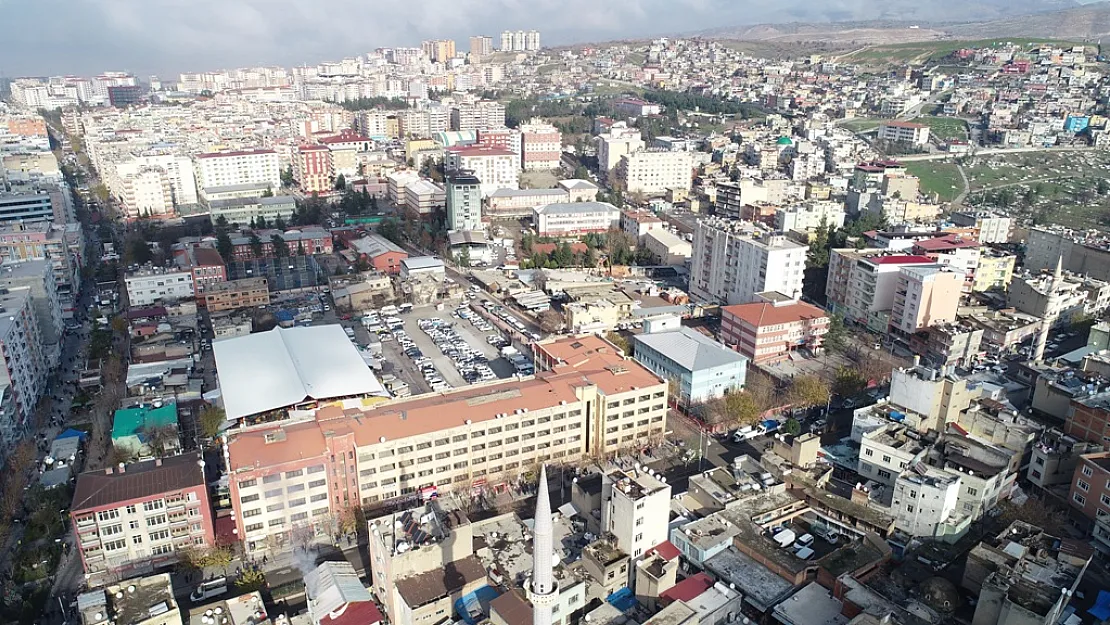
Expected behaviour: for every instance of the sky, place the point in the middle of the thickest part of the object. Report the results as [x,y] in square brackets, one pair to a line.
[165,37]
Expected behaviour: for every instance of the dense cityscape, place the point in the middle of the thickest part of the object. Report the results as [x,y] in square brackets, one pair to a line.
[664,332]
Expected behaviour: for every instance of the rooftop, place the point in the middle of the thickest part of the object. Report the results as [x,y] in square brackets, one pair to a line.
[812,605]
[286,366]
[576,207]
[97,489]
[422,589]
[690,349]
[131,421]
[245,609]
[759,585]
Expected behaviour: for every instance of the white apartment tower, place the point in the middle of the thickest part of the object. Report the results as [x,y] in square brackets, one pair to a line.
[619,141]
[247,167]
[732,261]
[655,171]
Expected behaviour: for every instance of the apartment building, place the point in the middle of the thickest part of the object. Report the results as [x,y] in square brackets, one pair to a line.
[521,202]
[424,197]
[574,218]
[1058,297]
[667,248]
[955,251]
[926,505]
[149,285]
[258,169]
[25,366]
[1055,456]
[612,146]
[732,261]
[990,227]
[235,294]
[306,472]
[1088,418]
[20,206]
[61,246]
[152,184]
[635,510]
[809,216]
[948,344]
[205,263]
[904,132]
[925,295]
[497,168]
[541,146]
[477,116]
[464,202]
[313,170]
[132,519]
[36,278]
[996,270]
[143,601]
[481,45]
[768,331]
[654,171]
[886,451]
[637,223]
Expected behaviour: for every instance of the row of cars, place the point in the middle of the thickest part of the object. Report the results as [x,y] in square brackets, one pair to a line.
[472,364]
[502,313]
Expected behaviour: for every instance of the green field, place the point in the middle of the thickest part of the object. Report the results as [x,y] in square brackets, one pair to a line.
[944,128]
[925,51]
[860,124]
[942,179]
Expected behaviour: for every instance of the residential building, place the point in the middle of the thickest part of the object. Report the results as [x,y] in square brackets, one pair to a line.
[313,169]
[948,344]
[496,168]
[887,451]
[541,146]
[733,261]
[61,246]
[578,190]
[612,146]
[439,50]
[153,185]
[809,216]
[286,474]
[575,218]
[635,510]
[925,505]
[398,182]
[637,223]
[238,212]
[19,206]
[955,251]
[653,172]
[996,270]
[702,367]
[669,249]
[477,116]
[260,167]
[133,519]
[997,572]
[1054,458]
[520,41]
[146,600]
[36,277]
[134,429]
[930,399]
[768,331]
[481,45]
[1004,331]
[916,135]
[349,151]
[299,242]
[149,285]
[464,202]
[1058,298]
[25,368]
[990,227]
[235,294]
[205,263]
[862,284]
[1088,418]
[379,252]
[423,198]
[926,295]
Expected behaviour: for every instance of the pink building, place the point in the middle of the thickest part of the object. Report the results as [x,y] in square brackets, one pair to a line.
[926,295]
[541,146]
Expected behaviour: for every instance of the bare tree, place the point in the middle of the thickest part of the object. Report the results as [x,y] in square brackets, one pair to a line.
[551,320]
[161,439]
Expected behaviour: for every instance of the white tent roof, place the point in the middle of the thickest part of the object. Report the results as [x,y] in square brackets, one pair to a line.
[284,366]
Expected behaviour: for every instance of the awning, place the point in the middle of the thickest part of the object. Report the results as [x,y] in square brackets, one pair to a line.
[568,510]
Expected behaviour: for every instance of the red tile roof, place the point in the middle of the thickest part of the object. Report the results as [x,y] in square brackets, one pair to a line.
[238,153]
[360,613]
[688,589]
[902,259]
[666,550]
[952,241]
[759,314]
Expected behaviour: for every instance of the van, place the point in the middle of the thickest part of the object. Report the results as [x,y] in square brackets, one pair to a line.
[389,311]
[206,590]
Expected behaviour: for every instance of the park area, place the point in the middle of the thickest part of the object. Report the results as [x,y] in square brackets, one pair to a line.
[944,128]
[938,178]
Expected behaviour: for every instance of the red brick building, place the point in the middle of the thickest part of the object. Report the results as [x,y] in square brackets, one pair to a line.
[205,263]
[381,253]
[132,519]
[1090,486]
[1089,419]
[766,332]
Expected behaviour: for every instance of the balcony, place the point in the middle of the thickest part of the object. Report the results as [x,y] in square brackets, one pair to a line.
[89,539]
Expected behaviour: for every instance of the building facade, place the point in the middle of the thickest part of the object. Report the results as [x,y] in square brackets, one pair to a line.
[496,168]
[246,167]
[156,284]
[768,331]
[732,261]
[312,169]
[464,202]
[702,367]
[574,218]
[235,294]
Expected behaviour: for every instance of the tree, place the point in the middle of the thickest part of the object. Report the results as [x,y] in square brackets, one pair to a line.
[119,455]
[551,320]
[250,580]
[744,408]
[287,176]
[390,228]
[340,182]
[807,391]
[268,192]
[792,427]
[1035,512]
[161,439]
[138,251]
[210,421]
[849,382]
[835,339]
[463,258]
[619,341]
[278,244]
[563,255]
[225,247]
[261,223]
[221,224]
[256,245]
[279,223]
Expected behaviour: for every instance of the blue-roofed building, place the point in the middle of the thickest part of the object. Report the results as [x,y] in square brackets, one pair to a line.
[703,367]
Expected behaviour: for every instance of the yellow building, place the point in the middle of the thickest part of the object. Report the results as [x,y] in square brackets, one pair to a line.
[412,146]
[994,272]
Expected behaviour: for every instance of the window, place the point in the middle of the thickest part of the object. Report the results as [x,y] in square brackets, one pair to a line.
[297,473]
[1087,471]
[274,507]
[115,545]
[247,483]
[300,516]
[277,522]
[270,494]
[111,530]
[320,497]
[884,474]
[160,535]
[270,479]
[150,506]
[158,550]
[1105,499]
[886,459]
[254,527]
[133,525]
[1083,486]
[248,499]
[316,469]
[158,519]
[1079,499]
[295,488]
[252,512]
[972,491]
[130,509]
[869,452]
[317,483]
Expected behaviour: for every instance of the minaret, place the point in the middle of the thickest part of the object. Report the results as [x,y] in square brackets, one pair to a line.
[545,591]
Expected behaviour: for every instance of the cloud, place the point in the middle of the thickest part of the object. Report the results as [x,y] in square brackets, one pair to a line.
[170,36]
